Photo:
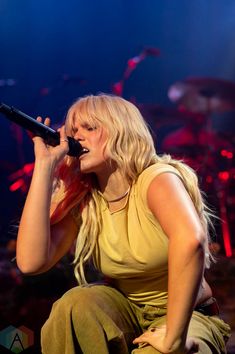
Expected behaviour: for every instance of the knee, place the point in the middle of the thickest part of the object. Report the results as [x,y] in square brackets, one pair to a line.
[74,297]
[78,301]
[78,295]
[72,307]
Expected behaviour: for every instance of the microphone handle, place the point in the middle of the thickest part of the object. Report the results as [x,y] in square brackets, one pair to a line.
[49,135]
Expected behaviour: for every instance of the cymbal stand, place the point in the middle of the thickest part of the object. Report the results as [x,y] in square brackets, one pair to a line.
[221,187]
[221,194]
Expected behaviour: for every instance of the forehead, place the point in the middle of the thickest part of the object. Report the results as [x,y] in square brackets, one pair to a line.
[79,114]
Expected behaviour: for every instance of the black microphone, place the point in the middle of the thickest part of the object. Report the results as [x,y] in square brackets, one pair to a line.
[49,135]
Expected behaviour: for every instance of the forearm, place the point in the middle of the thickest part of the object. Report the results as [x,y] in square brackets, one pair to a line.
[186,265]
[33,241]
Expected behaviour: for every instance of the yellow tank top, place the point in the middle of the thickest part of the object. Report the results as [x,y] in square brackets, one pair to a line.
[132,248]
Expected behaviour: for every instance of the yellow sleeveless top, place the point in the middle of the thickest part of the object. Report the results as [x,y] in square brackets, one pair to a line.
[132,248]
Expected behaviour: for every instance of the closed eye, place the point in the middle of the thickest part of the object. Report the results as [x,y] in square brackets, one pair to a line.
[89,127]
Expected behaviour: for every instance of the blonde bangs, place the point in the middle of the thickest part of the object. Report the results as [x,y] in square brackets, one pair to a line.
[84,112]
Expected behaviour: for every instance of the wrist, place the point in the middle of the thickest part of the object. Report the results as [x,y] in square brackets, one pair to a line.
[44,172]
[45,165]
[175,346]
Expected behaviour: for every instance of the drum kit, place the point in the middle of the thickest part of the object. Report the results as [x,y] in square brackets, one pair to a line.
[209,152]
[193,139]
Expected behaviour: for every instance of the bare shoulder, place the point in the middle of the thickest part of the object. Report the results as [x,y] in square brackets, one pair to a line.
[171,204]
[166,187]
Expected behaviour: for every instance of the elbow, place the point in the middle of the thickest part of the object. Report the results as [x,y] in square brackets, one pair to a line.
[30,268]
[201,241]
[29,262]
[197,245]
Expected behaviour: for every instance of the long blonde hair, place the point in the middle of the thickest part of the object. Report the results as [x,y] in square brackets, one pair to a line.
[131,146]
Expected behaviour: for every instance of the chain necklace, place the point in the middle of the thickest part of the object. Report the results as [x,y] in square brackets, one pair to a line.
[119,198]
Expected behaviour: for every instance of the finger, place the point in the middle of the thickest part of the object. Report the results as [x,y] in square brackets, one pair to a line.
[30,134]
[143,338]
[63,136]
[39,119]
[47,121]
[150,334]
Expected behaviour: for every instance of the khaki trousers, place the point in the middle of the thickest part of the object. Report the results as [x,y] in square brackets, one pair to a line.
[98,319]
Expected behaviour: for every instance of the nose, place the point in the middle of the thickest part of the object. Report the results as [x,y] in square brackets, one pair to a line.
[79,135]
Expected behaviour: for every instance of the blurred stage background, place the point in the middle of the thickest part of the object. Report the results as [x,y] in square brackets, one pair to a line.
[174,58]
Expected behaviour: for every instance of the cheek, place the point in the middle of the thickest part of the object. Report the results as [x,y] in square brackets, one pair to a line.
[103,139]
[106,155]
[104,151]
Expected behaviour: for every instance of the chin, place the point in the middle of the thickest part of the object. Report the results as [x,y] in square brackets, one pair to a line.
[85,168]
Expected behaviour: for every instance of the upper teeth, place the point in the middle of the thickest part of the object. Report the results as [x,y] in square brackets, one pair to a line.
[85,150]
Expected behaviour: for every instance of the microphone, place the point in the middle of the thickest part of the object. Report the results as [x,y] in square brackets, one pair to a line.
[49,135]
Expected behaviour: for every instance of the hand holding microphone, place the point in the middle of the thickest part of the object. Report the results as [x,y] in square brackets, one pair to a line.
[49,135]
[43,150]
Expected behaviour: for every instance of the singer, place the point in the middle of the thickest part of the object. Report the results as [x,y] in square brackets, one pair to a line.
[140,219]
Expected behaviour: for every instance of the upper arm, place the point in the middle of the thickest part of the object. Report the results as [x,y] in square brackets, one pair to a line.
[63,235]
[172,206]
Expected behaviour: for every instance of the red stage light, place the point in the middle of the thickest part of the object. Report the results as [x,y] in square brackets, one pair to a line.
[28,167]
[224,175]
[17,185]
[226,153]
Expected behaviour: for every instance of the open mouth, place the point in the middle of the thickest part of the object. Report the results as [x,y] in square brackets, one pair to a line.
[84,151]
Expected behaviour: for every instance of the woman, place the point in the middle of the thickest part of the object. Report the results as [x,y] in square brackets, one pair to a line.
[140,218]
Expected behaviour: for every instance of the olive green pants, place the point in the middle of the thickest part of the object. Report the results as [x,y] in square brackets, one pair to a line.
[98,319]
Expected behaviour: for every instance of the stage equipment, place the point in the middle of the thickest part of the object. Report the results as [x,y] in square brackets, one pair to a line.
[203,94]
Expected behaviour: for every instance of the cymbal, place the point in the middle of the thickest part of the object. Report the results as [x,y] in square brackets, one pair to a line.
[185,140]
[161,116]
[204,94]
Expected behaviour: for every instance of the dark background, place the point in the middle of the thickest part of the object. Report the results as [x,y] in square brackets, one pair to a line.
[52,52]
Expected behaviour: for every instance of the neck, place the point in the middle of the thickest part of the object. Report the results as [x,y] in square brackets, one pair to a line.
[120,197]
[114,186]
